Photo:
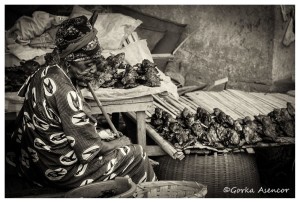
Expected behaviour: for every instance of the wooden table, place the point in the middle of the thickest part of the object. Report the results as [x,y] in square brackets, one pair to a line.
[13,104]
[138,105]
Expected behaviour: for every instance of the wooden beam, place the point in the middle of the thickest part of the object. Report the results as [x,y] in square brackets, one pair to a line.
[123,108]
[154,150]
[160,56]
[141,128]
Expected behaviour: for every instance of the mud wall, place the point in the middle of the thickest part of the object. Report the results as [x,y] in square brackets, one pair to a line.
[234,41]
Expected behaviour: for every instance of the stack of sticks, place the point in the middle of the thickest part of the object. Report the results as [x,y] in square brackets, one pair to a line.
[236,103]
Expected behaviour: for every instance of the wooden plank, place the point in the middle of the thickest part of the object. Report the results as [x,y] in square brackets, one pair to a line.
[136,100]
[141,128]
[154,150]
[123,108]
[221,81]
[165,55]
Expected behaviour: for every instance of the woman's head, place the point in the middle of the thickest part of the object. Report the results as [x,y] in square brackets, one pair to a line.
[78,47]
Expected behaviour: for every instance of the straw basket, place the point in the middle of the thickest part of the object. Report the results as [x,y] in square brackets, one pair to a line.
[215,171]
[170,189]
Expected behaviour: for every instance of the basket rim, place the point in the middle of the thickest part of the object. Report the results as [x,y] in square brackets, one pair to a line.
[199,189]
[173,182]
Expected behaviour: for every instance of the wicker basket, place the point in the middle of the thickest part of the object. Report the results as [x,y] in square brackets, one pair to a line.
[215,171]
[170,189]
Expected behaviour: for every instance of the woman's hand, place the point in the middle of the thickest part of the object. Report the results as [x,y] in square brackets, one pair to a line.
[107,135]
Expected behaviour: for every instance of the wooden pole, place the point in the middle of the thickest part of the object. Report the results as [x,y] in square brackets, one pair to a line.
[103,110]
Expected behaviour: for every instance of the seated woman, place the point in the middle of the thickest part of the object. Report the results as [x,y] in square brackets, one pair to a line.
[56,140]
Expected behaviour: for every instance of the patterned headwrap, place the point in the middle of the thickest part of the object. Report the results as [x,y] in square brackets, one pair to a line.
[76,40]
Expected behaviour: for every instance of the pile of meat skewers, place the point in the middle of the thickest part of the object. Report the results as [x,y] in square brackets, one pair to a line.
[107,75]
[16,76]
[221,131]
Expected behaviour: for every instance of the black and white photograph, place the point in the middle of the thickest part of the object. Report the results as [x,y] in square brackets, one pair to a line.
[137,100]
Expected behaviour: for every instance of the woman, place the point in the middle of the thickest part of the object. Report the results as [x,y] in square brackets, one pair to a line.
[56,138]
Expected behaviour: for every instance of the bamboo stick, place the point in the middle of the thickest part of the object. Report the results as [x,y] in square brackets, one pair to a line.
[166,104]
[164,109]
[193,104]
[239,106]
[199,103]
[179,103]
[187,106]
[189,103]
[250,101]
[204,97]
[148,114]
[242,105]
[227,108]
[218,104]
[285,97]
[273,97]
[173,103]
[261,98]
[269,99]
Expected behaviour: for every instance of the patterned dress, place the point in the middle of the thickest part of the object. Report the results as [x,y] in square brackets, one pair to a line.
[57,141]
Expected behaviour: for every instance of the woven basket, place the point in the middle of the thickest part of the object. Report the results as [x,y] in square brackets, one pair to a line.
[215,171]
[170,189]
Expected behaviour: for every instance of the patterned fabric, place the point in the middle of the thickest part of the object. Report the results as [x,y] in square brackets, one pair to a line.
[76,39]
[57,141]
